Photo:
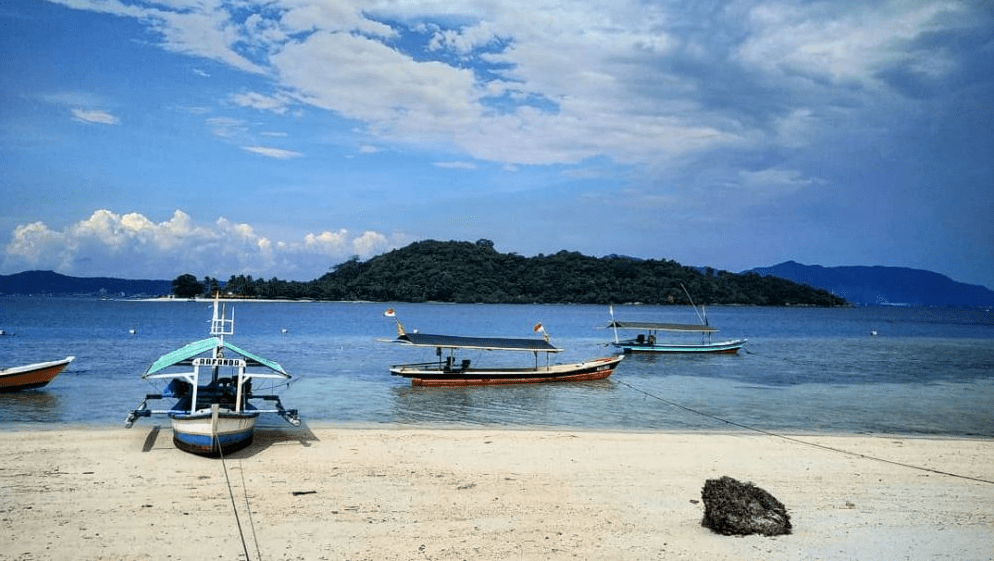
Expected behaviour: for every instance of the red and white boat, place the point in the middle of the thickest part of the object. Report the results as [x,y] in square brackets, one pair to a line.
[447,371]
[31,376]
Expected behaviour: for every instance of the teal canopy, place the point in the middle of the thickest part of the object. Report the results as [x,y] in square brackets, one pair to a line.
[186,354]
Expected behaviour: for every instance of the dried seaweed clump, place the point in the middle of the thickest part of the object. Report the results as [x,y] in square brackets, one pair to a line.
[734,508]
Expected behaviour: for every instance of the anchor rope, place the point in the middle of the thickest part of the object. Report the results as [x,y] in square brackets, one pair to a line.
[255,538]
[234,507]
[804,442]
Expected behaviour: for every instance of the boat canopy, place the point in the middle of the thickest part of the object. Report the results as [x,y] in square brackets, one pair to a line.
[651,326]
[185,354]
[483,343]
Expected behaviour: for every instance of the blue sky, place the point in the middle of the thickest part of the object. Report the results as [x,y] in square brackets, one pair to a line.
[281,137]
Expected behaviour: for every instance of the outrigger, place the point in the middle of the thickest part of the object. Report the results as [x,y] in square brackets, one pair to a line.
[213,413]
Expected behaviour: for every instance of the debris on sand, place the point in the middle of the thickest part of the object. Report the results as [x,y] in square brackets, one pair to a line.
[734,508]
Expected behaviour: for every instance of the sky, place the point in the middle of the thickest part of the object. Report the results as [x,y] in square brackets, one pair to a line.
[279,138]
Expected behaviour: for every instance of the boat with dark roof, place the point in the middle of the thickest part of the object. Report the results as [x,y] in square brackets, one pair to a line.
[448,371]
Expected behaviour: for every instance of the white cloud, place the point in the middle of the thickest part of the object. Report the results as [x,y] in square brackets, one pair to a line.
[277,153]
[455,165]
[134,246]
[227,127]
[95,116]
[519,83]
[278,104]
[846,43]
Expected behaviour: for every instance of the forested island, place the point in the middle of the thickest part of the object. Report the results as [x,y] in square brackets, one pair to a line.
[465,272]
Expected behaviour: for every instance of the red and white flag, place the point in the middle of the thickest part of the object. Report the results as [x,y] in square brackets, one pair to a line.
[389,313]
[538,328]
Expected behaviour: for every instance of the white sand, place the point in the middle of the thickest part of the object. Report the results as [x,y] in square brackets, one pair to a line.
[382,493]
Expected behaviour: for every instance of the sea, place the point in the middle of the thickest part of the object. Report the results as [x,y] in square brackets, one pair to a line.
[862,370]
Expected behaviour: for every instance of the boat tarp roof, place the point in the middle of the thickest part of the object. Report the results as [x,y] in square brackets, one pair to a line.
[648,325]
[483,343]
[196,348]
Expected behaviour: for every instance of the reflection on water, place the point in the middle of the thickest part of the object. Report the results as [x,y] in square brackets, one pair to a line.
[31,406]
[520,405]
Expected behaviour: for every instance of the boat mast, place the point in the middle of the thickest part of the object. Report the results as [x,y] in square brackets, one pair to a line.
[704,320]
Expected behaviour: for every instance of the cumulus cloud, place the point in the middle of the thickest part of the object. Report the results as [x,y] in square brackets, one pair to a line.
[132,245]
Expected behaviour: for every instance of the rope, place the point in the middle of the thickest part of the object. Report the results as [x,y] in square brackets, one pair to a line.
[804,442]
[255,538]
[231,494]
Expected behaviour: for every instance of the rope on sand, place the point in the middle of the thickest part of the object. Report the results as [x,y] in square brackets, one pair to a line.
[804,442]
[234,507]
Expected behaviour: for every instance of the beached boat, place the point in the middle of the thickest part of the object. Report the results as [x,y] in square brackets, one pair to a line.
[213,411]
[447,371]
[31,376]
[647,340]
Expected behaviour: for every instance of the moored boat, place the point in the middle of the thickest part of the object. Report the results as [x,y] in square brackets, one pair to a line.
[213,412]
[32,376]
[647,340]
[448,371]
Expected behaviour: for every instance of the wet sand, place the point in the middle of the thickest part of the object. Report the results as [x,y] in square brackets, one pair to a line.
[381,493]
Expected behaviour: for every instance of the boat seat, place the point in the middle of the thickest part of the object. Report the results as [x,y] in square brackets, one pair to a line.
[465,364]
[640,339]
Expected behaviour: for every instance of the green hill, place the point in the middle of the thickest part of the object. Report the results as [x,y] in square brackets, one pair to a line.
[475,272]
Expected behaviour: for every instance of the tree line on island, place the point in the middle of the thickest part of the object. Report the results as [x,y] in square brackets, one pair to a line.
[465,272]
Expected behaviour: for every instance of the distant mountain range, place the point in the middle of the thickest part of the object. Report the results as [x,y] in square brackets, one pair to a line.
[857,284]
[48,283]
[884,285]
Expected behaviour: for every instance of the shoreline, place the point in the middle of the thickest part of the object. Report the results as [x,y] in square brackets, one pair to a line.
[322,491]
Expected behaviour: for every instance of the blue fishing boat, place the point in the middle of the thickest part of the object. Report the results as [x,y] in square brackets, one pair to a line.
[211,383]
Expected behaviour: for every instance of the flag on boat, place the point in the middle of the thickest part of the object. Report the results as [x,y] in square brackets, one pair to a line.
[539,329]
[389,313]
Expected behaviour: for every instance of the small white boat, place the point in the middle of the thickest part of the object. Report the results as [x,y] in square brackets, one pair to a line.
[447,371]
[213,411]
[31,376]
[647,340]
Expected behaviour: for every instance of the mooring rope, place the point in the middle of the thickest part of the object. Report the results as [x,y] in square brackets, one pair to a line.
[255,538]
[804,442]
[234,507]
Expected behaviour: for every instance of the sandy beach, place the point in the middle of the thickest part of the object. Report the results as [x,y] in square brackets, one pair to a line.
[323,492]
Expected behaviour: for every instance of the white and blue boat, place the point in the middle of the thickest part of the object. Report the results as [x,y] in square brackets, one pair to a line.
[211,381]
[647,340]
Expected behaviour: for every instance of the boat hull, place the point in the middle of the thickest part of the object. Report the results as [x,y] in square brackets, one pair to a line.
[722,347]
[31,376]
[434,376]
[200,433]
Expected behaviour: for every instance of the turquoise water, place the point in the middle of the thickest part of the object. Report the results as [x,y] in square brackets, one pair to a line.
[927,371]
